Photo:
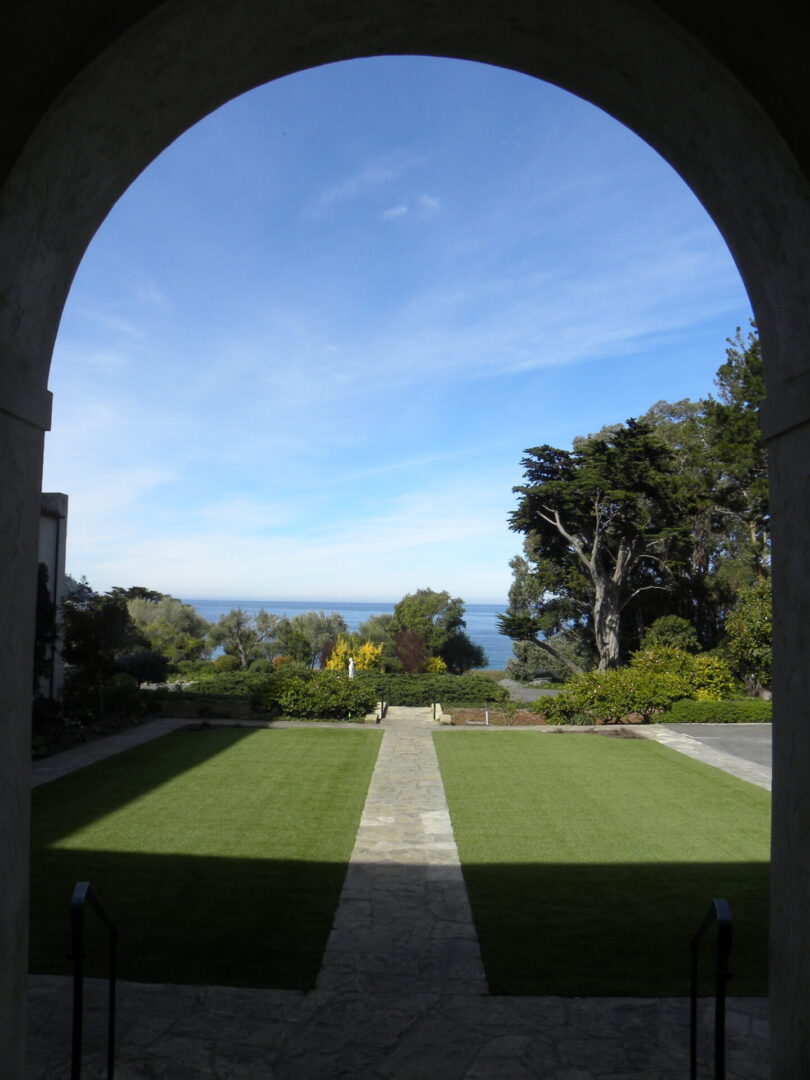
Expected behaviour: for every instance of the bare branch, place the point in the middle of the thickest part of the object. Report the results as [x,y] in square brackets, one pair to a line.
[574,541]
[642,588]
[577,670]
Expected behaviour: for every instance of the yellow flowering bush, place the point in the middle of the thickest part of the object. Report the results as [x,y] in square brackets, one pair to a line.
[434,665]
[367,656]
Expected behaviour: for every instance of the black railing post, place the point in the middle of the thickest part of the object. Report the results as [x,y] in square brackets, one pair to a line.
[77,943]
[720,913]
[82,895]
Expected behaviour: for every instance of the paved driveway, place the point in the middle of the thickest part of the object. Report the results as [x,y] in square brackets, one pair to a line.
[526,692]
[752,742]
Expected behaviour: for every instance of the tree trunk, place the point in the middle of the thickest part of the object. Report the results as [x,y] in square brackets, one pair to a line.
[606,622]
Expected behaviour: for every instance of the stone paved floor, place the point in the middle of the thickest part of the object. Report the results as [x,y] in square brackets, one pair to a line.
[401,995]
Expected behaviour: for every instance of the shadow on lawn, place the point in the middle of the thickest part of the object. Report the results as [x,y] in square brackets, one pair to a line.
[190,919]
[590,930]
[90,793]
[614,929]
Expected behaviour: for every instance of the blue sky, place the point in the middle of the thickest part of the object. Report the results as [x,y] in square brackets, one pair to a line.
[305,352]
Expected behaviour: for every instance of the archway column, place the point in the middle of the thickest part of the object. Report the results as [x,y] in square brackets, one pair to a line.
[21,446]
[786,425]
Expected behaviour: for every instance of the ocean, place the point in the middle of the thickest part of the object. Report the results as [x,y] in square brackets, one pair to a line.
[482,626]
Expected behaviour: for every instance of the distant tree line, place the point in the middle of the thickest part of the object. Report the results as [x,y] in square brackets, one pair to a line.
[145,636]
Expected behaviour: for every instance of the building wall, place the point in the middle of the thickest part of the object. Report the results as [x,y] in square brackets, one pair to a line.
[52,540]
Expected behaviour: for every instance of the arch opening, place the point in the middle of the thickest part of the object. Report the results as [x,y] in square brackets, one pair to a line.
[667,85]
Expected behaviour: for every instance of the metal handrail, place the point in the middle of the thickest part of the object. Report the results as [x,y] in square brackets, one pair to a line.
[82,895]
[718,912]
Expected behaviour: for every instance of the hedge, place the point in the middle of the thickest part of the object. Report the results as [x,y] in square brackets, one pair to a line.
[606,697]
[266,689]
[329,695]
[228,682]
[415,690]
[745,711]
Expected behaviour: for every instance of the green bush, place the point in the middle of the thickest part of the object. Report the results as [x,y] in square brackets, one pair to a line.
[416,690]
[228,682]
[689,711]
[226,663]
[705,676]
[121,696]
[194,667]
[665,658]
[712,679]
[329,695]
[146,665]
[671,630]
[605,697]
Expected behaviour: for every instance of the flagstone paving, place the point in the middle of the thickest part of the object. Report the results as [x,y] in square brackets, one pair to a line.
[401,994]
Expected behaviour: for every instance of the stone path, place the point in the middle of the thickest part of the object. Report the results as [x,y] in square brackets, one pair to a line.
[404,924]
[402,993]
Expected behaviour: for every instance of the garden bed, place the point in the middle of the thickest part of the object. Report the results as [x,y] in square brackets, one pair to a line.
[462,717]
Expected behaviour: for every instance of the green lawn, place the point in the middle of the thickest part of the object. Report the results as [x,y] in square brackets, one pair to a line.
[590,861]
[220,854]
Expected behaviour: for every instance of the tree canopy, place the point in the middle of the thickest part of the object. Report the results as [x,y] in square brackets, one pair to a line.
[437,619]
[603,522]
[244,636]
[665,515]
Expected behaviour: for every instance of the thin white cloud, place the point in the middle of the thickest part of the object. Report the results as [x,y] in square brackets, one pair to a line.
[395,212]
[119,324]
[365,181]
[147,292]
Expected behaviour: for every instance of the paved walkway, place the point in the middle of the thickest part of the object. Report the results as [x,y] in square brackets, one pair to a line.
[526,691]
[752,771]
[404,924]
[401,995]
[753,742]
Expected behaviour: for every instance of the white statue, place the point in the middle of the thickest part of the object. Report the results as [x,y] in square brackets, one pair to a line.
[351,667]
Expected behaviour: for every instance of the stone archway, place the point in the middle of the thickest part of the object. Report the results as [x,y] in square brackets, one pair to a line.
[187,57]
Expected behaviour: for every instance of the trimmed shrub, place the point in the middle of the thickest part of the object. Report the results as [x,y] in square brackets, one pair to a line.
[671,630]
[228,682]
[605,697]
[329,695]
[689,711]
[665,658]
[416,690]
[712,679]
[705,676]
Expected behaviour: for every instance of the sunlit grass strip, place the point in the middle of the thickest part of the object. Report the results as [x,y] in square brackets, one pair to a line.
[220,854]
[589,861]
